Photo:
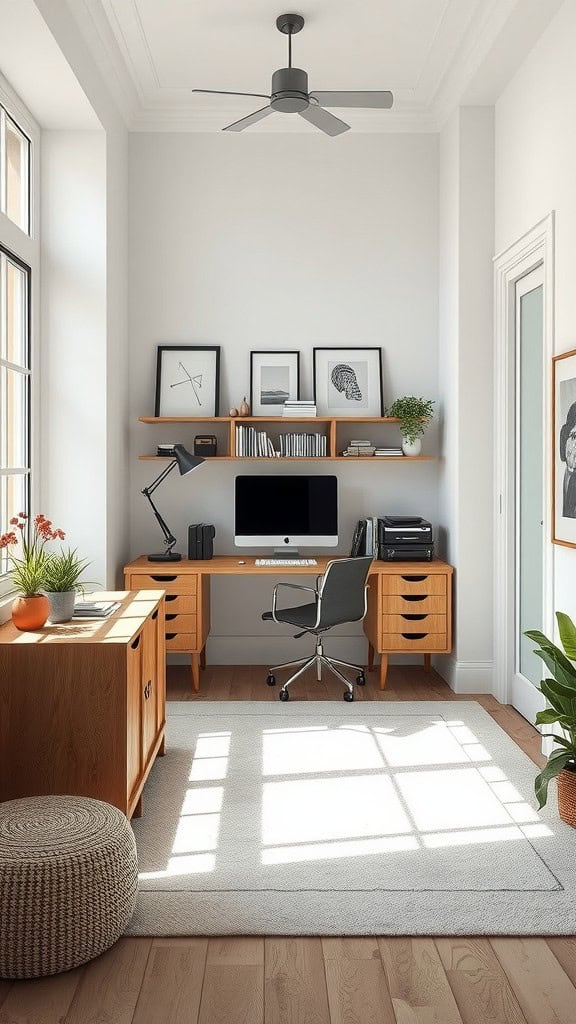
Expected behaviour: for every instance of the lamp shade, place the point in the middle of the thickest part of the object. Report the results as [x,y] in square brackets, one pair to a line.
[185,460]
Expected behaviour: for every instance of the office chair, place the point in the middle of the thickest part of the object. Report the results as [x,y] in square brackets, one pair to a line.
[339,596]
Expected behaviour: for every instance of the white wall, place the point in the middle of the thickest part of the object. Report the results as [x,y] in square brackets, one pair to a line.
[535,173]
[257,242]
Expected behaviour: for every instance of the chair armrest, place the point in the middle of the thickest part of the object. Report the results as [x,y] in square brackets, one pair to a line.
[291,586]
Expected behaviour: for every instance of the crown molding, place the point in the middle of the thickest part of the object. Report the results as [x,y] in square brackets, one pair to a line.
[99,37]
[169,119]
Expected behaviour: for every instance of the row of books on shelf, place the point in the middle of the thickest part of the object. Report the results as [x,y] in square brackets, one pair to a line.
[299,408]
[362,449]
[253,443]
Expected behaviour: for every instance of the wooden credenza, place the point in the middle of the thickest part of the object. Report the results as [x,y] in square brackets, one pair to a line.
[409,611]
[82,704]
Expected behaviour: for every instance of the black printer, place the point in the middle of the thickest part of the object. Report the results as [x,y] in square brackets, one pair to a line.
[404,539]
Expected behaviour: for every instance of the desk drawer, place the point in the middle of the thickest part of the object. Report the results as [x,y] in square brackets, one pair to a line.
[414,604]
[171,582]
[411,640]
[181,641]
[180,604]
[414,583]
[414,623]
[180,623]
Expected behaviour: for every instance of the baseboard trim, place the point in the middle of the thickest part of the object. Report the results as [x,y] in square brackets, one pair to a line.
[465,676]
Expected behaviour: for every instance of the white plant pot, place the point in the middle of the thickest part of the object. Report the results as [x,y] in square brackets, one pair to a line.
[61,605]
[411,447]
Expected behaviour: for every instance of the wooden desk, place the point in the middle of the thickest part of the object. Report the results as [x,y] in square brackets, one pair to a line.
[409,603]
[82,704]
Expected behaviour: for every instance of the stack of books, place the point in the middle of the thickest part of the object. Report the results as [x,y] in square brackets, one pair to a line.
[165,449]
[297,408]
[360,448]
[387,453]
[94,609]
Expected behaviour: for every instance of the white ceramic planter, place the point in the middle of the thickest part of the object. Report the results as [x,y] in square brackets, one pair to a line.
[411,447]
[61,605]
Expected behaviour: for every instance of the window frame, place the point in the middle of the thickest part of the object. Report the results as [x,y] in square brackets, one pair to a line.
[24,249]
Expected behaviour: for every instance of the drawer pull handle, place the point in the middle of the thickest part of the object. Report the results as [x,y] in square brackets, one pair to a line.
[163,578]
[170,636]
[414,636]
[171,597]
[148,690]
[173,615]
[414,618]
[414,579]
[413,597]
[135,642]
[154,615]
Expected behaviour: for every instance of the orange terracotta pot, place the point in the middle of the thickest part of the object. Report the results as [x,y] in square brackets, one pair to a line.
[30,612]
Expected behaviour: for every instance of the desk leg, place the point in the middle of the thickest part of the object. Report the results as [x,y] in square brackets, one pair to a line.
[370,657]
[427,662]
[383,670]
[203,657]
[137,812]
[195,660]
[162,747]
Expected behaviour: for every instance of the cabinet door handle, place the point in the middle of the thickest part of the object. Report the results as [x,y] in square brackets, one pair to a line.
[414,579]
[162,578]
[414,636]
[148,690]
[154,614]
[413,618]
[135,642]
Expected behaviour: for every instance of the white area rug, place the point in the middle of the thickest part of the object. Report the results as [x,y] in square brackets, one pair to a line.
[326,818]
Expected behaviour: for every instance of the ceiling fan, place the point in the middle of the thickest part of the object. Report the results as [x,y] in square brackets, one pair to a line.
[290,93]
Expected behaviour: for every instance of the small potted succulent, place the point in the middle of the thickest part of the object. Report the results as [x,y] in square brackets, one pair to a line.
[31,607]
[560,692]
[62,572]
[414,415]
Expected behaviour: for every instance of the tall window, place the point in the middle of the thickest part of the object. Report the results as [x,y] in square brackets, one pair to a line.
[15,322]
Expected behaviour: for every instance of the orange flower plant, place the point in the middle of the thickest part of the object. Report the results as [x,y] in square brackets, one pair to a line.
[28,571]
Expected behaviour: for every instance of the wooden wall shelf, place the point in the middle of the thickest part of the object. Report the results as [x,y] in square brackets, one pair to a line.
[331,426]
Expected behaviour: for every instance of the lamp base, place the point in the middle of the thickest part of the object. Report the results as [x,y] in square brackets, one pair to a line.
[165,556]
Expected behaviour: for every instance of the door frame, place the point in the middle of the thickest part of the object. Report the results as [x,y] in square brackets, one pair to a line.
[532,250]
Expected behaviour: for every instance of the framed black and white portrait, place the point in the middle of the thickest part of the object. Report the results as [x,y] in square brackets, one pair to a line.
[564,449]
[187,380]
[348,382]
[274,379]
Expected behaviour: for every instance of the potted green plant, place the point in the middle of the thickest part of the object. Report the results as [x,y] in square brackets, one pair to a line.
[560,692]
[62,572]
[414,415]
[31,607]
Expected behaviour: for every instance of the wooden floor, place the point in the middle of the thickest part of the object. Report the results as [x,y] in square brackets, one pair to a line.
[314,980]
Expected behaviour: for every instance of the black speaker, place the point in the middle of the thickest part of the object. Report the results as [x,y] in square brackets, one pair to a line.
[201,541]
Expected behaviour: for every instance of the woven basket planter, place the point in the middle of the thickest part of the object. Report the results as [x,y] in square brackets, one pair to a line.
[68,882]
[567,797]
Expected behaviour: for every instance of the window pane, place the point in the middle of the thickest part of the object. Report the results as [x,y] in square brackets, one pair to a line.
[13,499]
[14,406]
[15,336]
[17,175]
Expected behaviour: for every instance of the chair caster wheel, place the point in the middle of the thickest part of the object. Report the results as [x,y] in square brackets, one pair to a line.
[348,695]
[284,695]
[361,679]
[271,679]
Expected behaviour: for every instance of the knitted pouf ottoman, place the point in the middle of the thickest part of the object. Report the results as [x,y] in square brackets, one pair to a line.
[68,882]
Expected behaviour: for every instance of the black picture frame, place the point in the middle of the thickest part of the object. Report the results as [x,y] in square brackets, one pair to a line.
[202,398]
[276,356]
[361,387]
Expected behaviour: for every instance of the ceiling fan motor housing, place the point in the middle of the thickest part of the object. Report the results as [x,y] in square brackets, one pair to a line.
[290,90]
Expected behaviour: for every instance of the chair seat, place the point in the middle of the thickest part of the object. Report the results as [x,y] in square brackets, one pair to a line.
[304,615]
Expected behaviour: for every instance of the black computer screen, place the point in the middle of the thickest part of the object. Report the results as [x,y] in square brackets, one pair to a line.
[291,505]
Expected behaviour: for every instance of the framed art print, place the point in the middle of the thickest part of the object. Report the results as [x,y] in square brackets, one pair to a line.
[348,381]
[187,380]
[274,379]
[564,449]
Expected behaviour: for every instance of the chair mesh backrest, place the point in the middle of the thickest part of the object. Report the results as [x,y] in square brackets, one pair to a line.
[342,590]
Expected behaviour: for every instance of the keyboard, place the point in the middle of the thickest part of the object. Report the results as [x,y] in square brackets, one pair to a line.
[286,561]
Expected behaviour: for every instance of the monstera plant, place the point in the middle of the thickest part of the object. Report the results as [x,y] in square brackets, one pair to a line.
[559,690]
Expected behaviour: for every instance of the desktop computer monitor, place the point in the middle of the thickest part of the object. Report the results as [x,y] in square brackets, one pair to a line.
[284,511]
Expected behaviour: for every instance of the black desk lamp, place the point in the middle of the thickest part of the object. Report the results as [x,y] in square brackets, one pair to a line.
[186,463]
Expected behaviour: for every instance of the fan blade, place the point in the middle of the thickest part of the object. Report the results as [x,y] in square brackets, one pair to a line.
[325,121]
[224,92]
[379,100]
[245,122]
